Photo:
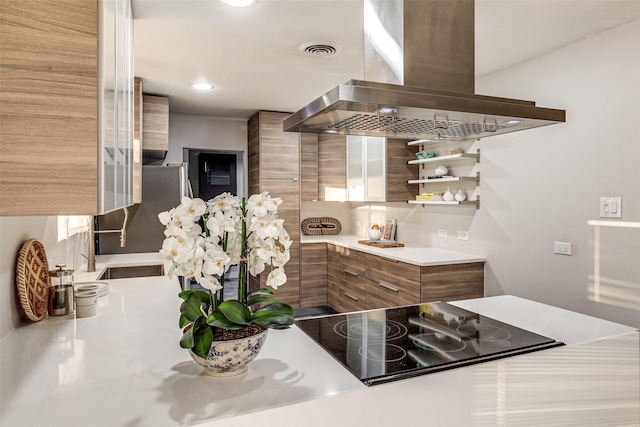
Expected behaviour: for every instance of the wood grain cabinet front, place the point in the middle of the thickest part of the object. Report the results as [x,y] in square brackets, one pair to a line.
[352,281]
[313,275]
[452,282]
[391,283]
[66,107]
[274,166]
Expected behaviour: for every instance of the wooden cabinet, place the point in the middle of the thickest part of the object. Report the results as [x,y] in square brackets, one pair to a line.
[358,281]
[332,168]
[155,122]
[391,283]
[313,275]
[399,171]
[352,281]
[55,71]
[308,167]
[274,166]
[333,275]
[452,282]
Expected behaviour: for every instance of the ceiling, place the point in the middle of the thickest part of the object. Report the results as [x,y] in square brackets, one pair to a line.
[251,55]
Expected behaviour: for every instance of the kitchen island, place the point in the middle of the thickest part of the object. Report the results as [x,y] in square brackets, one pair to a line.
[124,367]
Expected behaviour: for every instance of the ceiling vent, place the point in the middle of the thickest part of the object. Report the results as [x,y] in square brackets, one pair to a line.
[323,48]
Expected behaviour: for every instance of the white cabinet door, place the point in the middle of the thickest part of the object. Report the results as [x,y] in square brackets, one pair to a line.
[366,168]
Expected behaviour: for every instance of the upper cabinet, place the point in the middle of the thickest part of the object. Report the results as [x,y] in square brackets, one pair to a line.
[359,169]
[155,122]
[366,168]
[65,107]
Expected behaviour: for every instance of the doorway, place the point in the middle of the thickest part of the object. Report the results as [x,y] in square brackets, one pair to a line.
[213,172]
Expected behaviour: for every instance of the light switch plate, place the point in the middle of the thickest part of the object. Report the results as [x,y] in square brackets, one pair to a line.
[442,233]
[463,235]
[610,207]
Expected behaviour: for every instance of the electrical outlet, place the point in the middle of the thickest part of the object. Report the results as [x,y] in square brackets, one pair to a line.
[442,233]
[562,248]
[463,235]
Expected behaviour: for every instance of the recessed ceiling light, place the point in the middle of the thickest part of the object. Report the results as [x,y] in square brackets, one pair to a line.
[239,3]
[202,86]
[331,131]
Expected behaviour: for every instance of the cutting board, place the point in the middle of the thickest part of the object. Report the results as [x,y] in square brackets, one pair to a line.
[379,244]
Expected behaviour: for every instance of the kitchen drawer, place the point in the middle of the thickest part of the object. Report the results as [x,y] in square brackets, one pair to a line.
[352,263]
[452,282]
[389,277]
[380,294]
[352,300]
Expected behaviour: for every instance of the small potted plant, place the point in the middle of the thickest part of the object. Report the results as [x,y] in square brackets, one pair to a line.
[202,241]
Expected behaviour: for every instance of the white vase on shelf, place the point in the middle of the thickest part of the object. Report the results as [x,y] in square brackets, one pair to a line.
[448,195]
[460,195]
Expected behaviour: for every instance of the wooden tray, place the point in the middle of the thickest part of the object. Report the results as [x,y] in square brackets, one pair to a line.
[33,280]
[382,244]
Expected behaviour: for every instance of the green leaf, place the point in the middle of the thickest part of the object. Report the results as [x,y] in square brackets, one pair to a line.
[261,291]
[184,321]
[190,308]
[277,321]
[204,297]
[260,299]
[187,340]
[235,312]
[277,308]
[226,324]
[203,341]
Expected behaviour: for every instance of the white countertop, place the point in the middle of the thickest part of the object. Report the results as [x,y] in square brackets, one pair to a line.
[410,254]
[124,367]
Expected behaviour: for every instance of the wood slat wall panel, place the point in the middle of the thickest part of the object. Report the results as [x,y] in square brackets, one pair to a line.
[399,172]
[48,107]
[313,275]
[452,282]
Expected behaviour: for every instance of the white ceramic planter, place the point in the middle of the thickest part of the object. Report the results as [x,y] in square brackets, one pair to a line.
[230,358]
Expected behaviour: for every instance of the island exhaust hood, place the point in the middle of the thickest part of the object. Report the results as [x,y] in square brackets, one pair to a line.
[420,74]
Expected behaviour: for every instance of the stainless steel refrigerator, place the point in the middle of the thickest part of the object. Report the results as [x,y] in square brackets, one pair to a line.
[162,189]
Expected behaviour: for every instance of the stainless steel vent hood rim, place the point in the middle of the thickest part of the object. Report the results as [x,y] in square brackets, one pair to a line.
[415,105]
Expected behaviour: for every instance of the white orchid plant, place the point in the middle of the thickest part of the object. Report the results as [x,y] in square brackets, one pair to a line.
[203,240]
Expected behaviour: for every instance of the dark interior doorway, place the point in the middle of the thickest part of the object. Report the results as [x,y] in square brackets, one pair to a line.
[216,175]
[212,172]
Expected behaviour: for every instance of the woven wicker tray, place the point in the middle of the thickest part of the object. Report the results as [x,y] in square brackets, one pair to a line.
[32,279]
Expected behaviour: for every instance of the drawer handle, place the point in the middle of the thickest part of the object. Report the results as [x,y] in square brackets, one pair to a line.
[389,259]
[350,296]
[351,273]
[391,288]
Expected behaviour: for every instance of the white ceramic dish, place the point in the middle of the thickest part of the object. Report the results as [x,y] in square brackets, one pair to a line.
[102,287]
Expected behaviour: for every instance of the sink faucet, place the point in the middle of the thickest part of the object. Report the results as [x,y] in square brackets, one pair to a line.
[91,256]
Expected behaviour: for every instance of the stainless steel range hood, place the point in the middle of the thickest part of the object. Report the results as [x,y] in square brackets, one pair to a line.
[420,72]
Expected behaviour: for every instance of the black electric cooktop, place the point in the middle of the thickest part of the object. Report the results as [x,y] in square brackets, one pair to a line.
[384,345]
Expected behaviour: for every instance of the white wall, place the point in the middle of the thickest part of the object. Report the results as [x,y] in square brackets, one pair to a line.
[14,231]
[544,185]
